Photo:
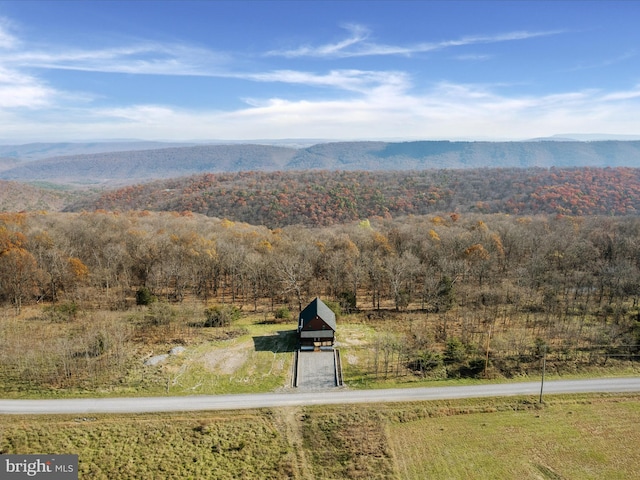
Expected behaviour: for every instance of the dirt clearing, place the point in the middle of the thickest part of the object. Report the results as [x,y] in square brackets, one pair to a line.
[228,360]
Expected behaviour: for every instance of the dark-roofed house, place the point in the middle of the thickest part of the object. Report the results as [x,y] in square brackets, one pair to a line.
[316,325]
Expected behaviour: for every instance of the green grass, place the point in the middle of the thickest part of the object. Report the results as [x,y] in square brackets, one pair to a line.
[581,441]
[570,437]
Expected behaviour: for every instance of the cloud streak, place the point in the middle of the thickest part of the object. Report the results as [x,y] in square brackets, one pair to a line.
[142,59]
[357,44]
[362,81]
[606,63]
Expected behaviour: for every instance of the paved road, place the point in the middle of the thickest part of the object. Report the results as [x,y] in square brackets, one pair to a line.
[333,396]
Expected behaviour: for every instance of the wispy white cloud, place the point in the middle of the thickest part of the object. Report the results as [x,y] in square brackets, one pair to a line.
[137,57]
[20,90]
[476,57]
[22,67]
[7,39]
[606,63]
[357,44]
[351,80]
[358,34]
[622,95]
[143,59]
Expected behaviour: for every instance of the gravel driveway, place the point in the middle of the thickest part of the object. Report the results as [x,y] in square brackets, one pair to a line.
[316,370]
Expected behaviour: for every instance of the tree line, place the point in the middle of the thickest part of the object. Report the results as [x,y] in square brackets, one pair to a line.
[419,260]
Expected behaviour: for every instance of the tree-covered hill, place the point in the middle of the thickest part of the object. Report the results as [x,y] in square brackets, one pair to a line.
[130,167]
[329,197]
[143,165]
[16,197]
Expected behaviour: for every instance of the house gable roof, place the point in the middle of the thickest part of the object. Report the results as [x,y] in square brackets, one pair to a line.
[317,308]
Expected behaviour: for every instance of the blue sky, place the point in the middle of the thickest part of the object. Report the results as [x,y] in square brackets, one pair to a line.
[240,70]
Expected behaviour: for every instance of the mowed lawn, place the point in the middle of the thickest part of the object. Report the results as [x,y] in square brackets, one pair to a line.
[599,440]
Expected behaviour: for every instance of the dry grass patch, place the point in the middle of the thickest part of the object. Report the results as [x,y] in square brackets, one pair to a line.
[227,361]
[344,442]
[177,446]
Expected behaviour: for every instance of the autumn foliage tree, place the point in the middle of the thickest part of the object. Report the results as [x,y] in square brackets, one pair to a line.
[19,272]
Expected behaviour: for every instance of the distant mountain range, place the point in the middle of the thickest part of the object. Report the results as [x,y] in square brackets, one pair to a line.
[38,151]
[105,164]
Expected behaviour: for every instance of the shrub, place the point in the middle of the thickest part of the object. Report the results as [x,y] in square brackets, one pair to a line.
[282,313]
[221,315]
[348,301]
[334,307]
[473,368]
[425,362]
[540,347]
[98,344]
[160,313]
[144,296]
[455,351]
[445,296]
[62,312]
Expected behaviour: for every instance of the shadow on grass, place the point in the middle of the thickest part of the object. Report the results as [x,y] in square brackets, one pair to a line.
[284,341]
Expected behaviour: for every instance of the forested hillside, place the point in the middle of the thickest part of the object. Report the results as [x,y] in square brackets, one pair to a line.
[17,197]
[7,163]
[128,167]
[328,197]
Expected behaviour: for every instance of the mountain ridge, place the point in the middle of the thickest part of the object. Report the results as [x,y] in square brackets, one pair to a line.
[134,166]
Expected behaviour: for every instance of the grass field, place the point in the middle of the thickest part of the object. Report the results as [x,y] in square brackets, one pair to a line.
[570,437]
[579,441]
[195,446]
